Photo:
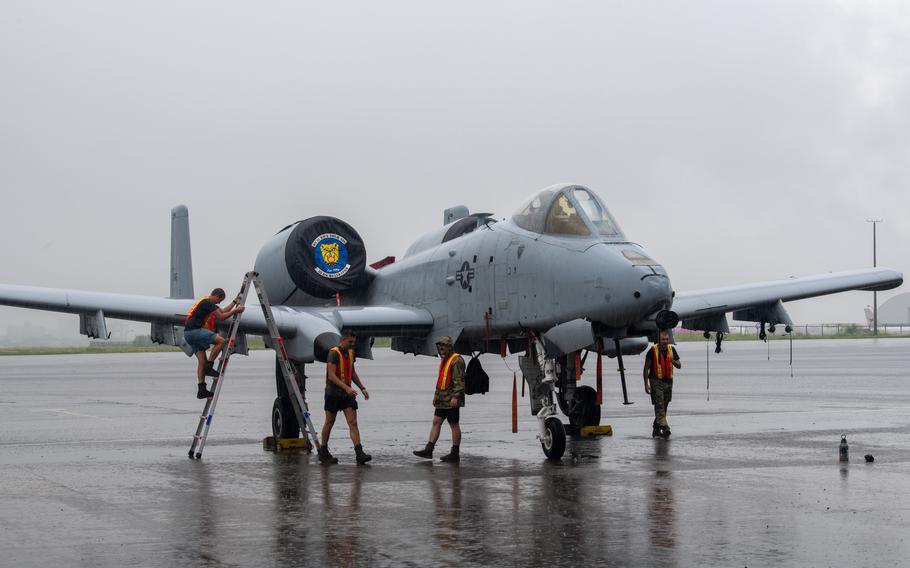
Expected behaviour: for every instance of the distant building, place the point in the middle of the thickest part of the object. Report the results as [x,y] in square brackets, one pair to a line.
[895,311]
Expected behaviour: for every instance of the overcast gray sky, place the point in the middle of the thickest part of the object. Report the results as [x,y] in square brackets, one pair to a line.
[737,141]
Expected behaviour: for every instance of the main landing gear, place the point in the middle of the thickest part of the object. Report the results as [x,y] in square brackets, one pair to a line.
[284,420]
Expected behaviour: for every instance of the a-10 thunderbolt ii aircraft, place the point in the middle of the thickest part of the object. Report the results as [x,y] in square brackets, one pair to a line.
[557,278]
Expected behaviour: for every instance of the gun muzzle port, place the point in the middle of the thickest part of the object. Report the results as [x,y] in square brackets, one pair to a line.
[666,319]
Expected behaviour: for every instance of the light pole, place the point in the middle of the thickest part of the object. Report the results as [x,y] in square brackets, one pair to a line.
[874,264]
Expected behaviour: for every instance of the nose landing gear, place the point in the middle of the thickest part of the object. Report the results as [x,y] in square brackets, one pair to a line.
[552,434]
[553,438]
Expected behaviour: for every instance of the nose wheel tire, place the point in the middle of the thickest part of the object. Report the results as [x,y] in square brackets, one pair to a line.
[554,439]
[284,421]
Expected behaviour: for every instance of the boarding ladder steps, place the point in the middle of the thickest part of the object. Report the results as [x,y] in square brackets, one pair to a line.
[297,398]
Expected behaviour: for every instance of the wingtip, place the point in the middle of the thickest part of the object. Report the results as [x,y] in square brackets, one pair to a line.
[891,279]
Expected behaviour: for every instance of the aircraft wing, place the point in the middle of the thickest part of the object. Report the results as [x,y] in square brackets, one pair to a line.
[300,326]
[762,301]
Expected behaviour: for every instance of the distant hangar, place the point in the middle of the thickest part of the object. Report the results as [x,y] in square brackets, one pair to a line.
[895,311]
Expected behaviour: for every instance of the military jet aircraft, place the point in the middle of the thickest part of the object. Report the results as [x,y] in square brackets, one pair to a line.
[557,278]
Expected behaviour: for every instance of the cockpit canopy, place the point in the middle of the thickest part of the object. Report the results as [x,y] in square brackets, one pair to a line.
[568,210]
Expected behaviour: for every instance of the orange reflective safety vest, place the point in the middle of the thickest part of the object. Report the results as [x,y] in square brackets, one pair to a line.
[663,364]
[445,371]
[209,322]
[345,367]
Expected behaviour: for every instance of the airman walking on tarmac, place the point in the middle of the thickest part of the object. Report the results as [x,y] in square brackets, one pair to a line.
[339,396]
[658,375]
[448,399]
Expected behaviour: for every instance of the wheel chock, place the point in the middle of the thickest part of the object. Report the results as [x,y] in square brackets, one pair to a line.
[604,430]
[271,444]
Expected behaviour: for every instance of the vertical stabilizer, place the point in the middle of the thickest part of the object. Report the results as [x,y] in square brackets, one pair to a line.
[181,260]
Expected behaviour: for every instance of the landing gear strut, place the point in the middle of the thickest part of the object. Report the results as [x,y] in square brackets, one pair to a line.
[622,372]
[552,434]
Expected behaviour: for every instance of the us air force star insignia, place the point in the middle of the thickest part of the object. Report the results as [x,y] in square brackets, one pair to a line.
[465,275]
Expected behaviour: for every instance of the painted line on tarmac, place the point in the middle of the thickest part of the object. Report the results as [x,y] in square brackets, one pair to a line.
[72,442]
[65,411]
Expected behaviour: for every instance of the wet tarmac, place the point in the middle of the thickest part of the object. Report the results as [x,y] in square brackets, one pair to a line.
[94,472]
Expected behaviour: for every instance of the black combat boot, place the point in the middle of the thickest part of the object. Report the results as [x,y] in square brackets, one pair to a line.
[451,456]
[655,431]
[362,457]
[325,456]
[665,433]
[210,370]
[202,392]
[426,452]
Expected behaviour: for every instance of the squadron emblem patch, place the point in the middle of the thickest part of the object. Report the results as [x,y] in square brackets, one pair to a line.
[330,255]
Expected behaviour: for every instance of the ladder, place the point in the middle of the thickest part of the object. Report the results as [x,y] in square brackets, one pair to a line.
[301,410]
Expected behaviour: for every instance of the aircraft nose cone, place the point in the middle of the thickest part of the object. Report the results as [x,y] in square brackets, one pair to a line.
[656,292]
[635,291]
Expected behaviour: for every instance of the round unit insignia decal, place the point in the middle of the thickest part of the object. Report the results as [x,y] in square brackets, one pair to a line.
[330,255]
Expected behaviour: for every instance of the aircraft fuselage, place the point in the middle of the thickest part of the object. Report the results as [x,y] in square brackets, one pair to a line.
[501,279]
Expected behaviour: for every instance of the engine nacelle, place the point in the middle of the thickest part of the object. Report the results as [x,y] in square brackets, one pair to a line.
[311,260]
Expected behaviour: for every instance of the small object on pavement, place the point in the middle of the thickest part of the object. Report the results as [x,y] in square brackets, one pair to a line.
[869,458]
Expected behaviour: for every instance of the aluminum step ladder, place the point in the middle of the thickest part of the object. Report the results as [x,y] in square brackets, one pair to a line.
[301,410]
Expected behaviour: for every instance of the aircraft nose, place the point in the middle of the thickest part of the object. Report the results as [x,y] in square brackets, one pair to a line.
[654,288]
[637,286]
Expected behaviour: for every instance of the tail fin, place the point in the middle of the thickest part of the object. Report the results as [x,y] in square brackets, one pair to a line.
[181,259]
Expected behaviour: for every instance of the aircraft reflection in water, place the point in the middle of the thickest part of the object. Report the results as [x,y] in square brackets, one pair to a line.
[491,513]
[556,279]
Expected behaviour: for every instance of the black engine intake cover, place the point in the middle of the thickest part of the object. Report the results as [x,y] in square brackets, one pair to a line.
[311,259]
